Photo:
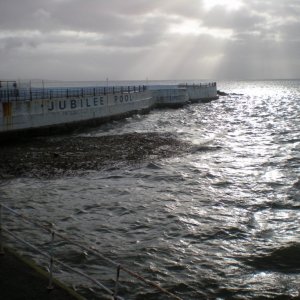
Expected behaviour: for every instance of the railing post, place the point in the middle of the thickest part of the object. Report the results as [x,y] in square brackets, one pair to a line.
[50,286]
[1,239]
[117,282]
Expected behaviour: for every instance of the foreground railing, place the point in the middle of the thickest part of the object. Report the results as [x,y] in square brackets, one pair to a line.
[54,234]
[27,94]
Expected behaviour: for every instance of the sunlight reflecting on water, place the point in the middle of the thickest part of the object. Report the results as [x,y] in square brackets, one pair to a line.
[219,222]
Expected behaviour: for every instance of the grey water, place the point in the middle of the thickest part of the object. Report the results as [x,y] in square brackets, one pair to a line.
[220,222]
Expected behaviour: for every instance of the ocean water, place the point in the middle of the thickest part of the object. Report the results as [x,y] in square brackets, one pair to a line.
[220,222]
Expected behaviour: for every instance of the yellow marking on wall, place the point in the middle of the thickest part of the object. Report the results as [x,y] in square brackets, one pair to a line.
[7,109]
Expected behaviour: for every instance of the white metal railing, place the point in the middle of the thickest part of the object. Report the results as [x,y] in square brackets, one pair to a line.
[90,249]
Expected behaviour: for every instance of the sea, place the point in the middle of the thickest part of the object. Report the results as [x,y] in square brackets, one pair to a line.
[220,222]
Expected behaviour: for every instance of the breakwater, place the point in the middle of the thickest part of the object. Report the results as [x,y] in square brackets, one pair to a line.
[51,109]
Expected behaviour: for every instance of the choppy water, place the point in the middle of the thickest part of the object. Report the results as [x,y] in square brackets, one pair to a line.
[221,222]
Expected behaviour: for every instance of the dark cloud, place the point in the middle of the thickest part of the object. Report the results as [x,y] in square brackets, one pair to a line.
[132,39]
[238,20]
[290,31]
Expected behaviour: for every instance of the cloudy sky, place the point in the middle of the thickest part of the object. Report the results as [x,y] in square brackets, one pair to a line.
[154,39]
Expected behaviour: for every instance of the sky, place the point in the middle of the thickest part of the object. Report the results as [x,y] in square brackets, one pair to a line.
[149,39]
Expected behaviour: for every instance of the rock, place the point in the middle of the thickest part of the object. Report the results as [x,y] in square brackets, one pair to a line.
[50,157]
[220,93]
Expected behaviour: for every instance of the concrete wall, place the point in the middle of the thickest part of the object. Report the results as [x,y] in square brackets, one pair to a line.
[201,92]
[168,97]
[39,113]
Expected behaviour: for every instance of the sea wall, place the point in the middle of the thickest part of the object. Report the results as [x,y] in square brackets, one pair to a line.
[201,92]
[19,115]
[170,97]
[34,111]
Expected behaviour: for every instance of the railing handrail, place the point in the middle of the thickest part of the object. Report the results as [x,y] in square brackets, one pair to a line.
[60,263]
[30,93]
[50,228]
[205,84]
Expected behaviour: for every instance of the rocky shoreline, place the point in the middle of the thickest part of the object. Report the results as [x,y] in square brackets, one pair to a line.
[50,157]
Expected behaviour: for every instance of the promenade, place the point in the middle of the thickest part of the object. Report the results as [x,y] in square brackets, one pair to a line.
[21,279]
